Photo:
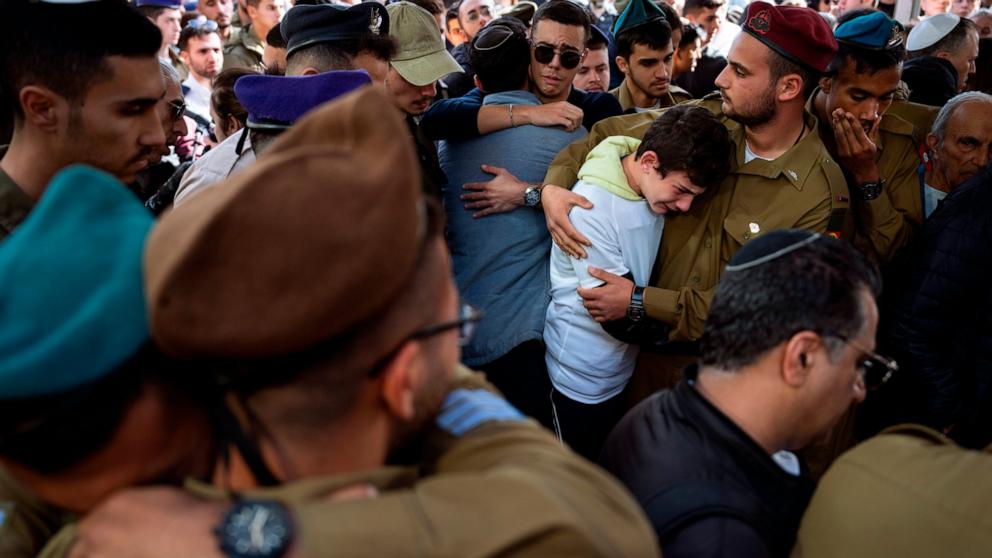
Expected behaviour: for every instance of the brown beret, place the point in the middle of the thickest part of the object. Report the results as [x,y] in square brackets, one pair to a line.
[799,34]
[313,239]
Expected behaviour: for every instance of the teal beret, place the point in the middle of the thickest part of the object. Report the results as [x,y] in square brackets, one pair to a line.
[72,304]
[637,12]
[874,31]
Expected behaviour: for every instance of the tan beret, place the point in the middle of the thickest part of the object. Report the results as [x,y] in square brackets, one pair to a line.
[317,236]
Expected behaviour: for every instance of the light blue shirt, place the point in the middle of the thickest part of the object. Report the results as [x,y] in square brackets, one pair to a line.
[501,261]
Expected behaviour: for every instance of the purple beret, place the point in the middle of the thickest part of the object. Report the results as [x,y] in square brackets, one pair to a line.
[276,102]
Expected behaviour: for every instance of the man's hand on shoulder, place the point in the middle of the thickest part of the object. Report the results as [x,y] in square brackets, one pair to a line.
[609,301]
[557,202]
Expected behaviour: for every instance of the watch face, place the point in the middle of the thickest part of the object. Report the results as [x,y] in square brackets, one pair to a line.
[532,196]
[256,529]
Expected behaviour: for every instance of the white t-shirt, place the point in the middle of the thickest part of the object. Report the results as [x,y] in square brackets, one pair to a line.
[584,362]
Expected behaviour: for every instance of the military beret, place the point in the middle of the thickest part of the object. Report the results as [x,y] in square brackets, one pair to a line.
[931,30]
[421,57]
[276,102]
[873,31]
[305,25]
[798,34]
[599,36]
[523,10]
[175,4]
[637,12]
[319,236]
[71,301]
[771,246]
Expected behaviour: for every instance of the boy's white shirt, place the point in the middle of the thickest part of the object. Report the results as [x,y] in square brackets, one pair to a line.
[584,362]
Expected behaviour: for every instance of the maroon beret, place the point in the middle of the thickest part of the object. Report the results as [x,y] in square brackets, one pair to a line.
[799,34]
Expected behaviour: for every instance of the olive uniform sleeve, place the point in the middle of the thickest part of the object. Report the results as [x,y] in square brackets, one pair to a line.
[503,488]
[564,170]
[684,309]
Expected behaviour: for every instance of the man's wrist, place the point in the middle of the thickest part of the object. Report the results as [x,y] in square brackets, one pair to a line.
[532,194]
[635,309]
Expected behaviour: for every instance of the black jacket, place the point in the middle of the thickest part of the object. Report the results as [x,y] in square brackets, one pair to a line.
[937,321]
[931,80]
[706,486]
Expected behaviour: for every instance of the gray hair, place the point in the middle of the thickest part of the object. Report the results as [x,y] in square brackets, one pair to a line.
[940,123]
[169,73]
[979,12]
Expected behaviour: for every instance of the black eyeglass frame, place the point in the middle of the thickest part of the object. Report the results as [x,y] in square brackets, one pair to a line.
[871,360]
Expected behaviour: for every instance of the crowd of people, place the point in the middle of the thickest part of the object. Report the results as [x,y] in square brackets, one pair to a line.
[480,278]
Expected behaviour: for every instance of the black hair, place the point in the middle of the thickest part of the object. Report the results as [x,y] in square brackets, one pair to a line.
[274,38]
[152,12]
[866,60]
[953,41]
[51,434]
[222,98]
[504,68]
[564,12]
[190,32]
[690,139]
[64,47]
[449,15]
[656,35]
[697,5]
[324,57]
[690,34]
[817,288]
[671,16]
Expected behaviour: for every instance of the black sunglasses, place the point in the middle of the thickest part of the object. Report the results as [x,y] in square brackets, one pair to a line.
[567,57]
[468,317]
[875,369]
[178,109]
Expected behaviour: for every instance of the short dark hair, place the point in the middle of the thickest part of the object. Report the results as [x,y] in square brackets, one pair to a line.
[564,12]
[152,12]
[697,5]
[64,47]
[504,68]
[690,139]
[50,434]
[451,14]
[779,66]
[656,35]
[690,34]
[190,32]
[953,41]
[324,57]
[671,16]
[816,287]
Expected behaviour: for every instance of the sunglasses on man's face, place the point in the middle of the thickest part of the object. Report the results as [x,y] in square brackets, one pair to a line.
[177,109]
[204,24]
[568,58]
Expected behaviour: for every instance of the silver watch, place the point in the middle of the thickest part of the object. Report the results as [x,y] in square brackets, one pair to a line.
[532,195]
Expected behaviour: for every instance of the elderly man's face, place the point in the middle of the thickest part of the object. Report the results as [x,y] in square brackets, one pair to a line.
[963,59]
[967,145]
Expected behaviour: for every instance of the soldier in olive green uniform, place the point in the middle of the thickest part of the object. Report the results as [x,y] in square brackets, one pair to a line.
[909,492]
[801,188]
[489,482]
[877,151]
[244,50]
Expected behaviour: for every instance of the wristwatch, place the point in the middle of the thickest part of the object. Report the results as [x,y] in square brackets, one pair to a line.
[255,529]
[532,195]
[870,190]
[635,311]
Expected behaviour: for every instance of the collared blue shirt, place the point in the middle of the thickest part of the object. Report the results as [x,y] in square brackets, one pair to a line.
[501,261]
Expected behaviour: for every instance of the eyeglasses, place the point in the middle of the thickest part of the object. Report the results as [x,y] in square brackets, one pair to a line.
[492,37]
[874,368]
[202,24]
[178,109]
[468,317]
[567,57]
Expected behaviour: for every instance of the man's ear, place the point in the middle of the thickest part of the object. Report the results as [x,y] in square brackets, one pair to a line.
[43,108]
[401,379]
[648,162]
[478,83]
[184,56]
[932,143]
[826,83]
[622,64]
[252,11]
[790,86]
[800,356]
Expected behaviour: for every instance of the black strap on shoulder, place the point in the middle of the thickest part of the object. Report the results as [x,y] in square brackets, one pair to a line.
[241,141]
[230,431]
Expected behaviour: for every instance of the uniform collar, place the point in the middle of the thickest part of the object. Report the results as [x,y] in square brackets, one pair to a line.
[627,100]
[796,164]
[250,41]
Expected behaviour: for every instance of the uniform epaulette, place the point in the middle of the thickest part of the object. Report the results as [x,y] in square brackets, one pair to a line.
[896,125]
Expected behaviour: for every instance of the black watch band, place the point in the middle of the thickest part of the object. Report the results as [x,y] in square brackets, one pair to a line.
[635,311]
[868,191]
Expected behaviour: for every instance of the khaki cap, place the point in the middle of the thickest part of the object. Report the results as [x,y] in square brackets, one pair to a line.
[421,58]
[317,237]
